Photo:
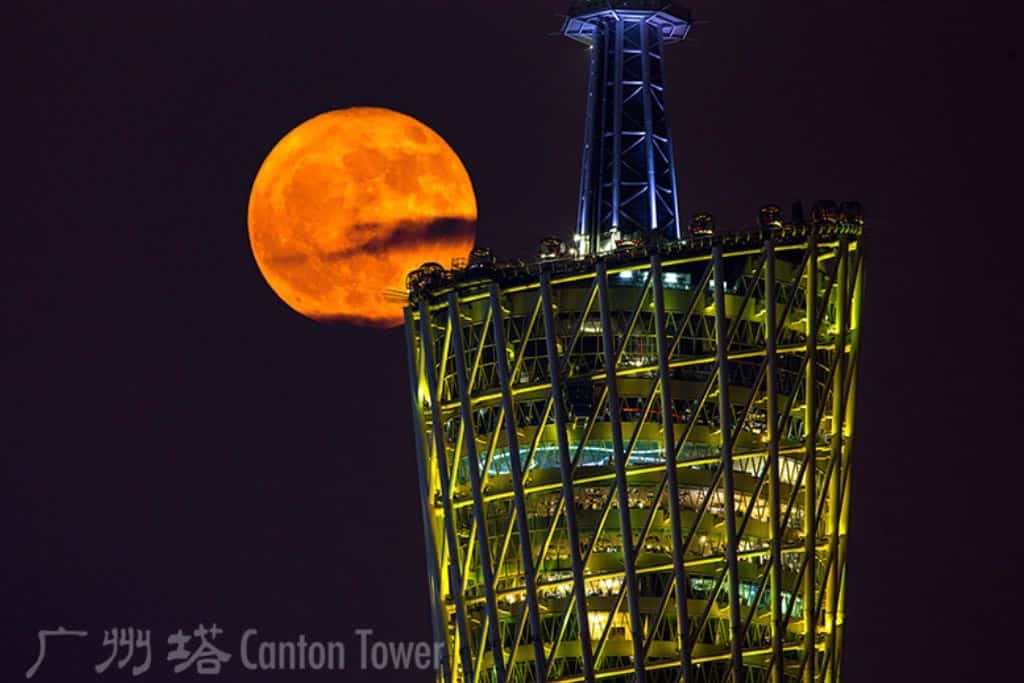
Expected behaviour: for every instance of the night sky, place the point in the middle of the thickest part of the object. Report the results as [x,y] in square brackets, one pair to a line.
[180,447]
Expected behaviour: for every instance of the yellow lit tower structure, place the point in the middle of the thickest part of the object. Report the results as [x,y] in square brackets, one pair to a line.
[634,452]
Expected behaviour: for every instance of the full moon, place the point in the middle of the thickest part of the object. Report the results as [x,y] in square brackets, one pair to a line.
[348,203]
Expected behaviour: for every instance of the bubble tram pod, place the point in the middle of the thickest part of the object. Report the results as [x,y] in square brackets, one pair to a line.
[634,454]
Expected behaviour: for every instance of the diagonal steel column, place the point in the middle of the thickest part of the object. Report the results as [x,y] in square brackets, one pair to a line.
[511,373]
[718,473]
[835,495]
[853,330]
[668,426]
[517,487]
[602,518]
[572,528]
[676,449]
[483,546]
[620,350]
[517,364]
[813,416]
[817,511]
[777,627]
[615,418]
[454,580]
[591,295]
[476,360]
[776,669]
[433,580]
[560,506]
[740,530]
[725,414]
[811,473]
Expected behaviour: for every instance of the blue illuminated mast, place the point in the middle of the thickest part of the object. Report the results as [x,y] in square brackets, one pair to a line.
[628,181]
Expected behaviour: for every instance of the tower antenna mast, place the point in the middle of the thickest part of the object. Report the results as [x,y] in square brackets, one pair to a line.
[628,184]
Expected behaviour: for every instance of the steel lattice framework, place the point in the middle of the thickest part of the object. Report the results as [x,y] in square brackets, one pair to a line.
[637,467]
[628,180]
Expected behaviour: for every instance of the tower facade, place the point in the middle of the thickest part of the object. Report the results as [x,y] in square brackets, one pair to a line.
[628,180]
[635,461]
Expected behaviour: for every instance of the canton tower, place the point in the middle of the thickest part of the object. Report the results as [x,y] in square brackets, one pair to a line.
[634,452]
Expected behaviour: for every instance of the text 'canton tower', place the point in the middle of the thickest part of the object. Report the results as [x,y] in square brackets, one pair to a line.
[634,452]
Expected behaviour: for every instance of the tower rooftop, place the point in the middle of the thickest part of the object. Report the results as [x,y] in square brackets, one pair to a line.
[432,279]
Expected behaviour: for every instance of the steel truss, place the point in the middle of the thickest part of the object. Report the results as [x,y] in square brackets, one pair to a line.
[628,181]
[594,446]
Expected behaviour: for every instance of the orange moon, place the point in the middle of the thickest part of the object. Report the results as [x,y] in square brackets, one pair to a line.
[349,202]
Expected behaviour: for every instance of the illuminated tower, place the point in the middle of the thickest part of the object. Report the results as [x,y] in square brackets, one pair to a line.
[635,460]
[628,181]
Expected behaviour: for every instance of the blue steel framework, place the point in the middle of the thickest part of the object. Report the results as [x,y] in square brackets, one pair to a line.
[600,436]
[628,181]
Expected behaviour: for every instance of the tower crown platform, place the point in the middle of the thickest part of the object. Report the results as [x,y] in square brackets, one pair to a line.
[673,23]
